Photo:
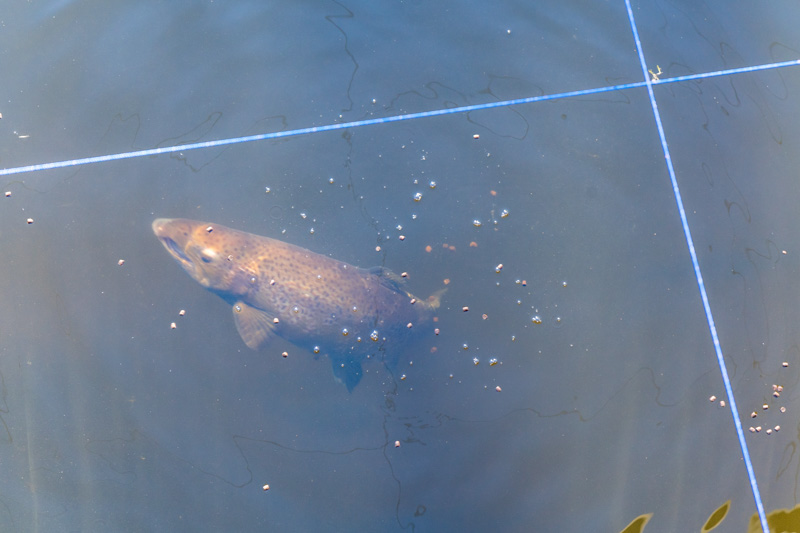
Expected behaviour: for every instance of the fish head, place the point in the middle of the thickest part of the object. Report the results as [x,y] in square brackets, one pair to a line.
[204,251]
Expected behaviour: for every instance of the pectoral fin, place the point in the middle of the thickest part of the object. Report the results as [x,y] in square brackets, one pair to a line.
[254,325]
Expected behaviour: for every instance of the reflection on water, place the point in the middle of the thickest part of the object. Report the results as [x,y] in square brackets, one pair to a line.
[779,520]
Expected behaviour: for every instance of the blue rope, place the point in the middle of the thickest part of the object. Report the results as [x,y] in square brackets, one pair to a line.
[369,122]
[720,359]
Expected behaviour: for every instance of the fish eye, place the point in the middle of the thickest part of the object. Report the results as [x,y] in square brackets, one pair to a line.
[207,255]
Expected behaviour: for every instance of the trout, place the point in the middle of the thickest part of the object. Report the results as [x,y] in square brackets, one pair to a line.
[319,304]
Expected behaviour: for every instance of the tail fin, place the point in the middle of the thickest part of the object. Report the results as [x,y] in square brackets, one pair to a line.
[434,300]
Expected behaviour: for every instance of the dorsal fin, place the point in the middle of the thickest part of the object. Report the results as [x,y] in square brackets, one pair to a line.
[389,279]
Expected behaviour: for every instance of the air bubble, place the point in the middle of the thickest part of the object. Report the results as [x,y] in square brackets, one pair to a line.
[417,197]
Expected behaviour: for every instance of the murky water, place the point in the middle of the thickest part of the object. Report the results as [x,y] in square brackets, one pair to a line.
[572,394]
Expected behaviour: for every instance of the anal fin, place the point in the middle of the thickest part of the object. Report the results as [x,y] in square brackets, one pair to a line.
[346,371]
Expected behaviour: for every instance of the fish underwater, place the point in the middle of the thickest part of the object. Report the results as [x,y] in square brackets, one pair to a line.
[320,304]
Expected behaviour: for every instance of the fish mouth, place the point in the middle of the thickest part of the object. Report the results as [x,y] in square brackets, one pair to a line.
[174,249]
[160,228]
